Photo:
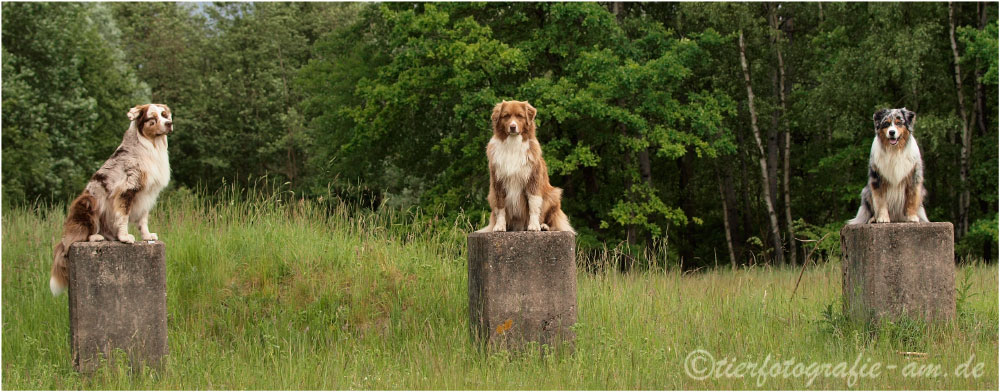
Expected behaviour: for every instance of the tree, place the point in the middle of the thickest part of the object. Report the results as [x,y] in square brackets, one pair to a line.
[66,91]
[775,231]
[963,201]
[776,30]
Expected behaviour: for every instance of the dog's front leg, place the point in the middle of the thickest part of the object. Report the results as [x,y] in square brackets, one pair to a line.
[914,200]
[122,209]
[144,228]
[501,224]
[534,211]
[880,206]
[498,200]
[121,224]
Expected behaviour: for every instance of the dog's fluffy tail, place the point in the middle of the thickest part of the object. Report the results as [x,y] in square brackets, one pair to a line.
[81,222]
[863,216]
[864,212]
[489,226]
[58,279]
[560,222]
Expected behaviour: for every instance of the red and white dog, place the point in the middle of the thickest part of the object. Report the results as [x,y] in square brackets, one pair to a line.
[521,197]
[123,190]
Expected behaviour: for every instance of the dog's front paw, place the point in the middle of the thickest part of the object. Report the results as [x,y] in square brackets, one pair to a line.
[883,218]
[95,238]
[913,218]
[127,238]
[149,237]
[534,226]
[500,226]
[545,227]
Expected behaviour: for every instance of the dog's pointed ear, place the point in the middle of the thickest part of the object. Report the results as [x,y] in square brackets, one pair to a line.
[531,112]
[879,115]
[136,115]
[496,113]
[910,117]
[135,112]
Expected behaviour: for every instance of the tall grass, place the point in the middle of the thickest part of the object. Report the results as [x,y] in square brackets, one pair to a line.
[269,292]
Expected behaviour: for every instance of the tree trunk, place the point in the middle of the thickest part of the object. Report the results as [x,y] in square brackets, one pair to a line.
[616,10]
[725,223]
[792,246]
[775,231]
[740,192]
[630,230]
[645,171]
[735,218]
[963,201]
[981,119]
[644,167]
[685,175]
[773,147]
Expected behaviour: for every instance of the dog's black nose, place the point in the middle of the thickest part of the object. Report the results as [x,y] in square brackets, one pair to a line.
[513,127]
[892,133]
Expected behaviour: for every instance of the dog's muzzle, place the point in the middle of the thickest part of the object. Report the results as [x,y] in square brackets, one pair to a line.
[512,129]
[170,126]
[893,137]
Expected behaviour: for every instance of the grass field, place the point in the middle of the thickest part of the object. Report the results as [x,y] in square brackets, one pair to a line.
[263,295]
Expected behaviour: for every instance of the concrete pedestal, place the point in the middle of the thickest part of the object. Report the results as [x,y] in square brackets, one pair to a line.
[899,269]
[117,300]
[522,287]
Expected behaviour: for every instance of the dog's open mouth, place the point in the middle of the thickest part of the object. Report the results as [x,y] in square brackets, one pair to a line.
[893,141]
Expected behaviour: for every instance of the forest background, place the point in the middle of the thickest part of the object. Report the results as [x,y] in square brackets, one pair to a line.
[712,133]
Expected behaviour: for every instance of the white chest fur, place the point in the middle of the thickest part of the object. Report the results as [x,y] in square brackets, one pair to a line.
[510,159]
[158,164]
[156,167]
[512,167]
[895,166]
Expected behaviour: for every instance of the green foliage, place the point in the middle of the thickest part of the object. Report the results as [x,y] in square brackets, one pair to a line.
[822,241]
[981,47]
[424,111]
[982,239]
[66,90]
[642,107]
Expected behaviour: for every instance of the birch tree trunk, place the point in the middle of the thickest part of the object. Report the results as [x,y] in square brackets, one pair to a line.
[963,201]
[792,246]
[725,222]
[775,231]
[980,94]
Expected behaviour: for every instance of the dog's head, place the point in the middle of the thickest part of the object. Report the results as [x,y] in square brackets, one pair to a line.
[512,118]
[894,127]
[152,120]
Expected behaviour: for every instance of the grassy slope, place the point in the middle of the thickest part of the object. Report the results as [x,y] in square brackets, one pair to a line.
[268,297]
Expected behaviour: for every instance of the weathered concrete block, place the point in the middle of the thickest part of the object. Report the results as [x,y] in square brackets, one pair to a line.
[117,300]
[522,287]
[896,269]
